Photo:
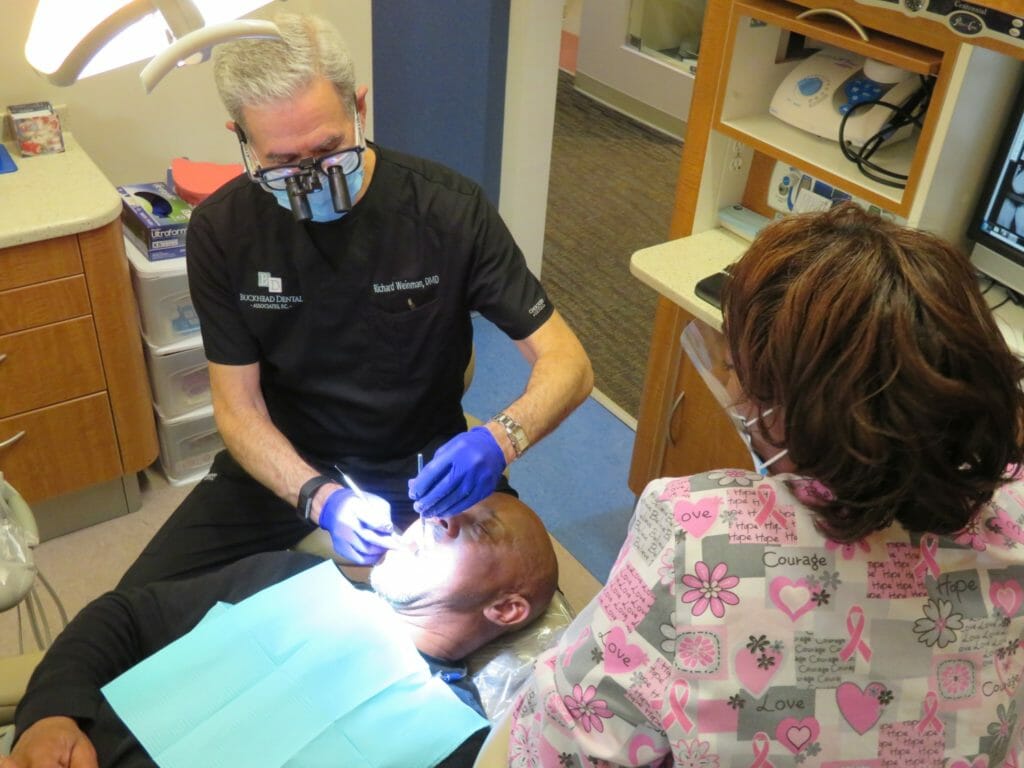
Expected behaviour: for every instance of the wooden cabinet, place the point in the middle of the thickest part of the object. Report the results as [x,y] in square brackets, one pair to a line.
[732,146]
[74,399]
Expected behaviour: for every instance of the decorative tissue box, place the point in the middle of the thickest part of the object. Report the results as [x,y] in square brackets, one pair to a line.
[36,128]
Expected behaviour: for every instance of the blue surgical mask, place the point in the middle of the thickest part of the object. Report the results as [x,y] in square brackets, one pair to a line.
[320,204]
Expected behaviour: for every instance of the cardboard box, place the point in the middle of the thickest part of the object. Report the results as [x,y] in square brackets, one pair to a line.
[36,128]
[155,219]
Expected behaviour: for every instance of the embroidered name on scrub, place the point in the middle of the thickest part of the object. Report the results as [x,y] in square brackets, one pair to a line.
[406,285]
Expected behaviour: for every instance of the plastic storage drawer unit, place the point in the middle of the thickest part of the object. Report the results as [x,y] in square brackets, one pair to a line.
[179,376]
[161,290]
[188,444]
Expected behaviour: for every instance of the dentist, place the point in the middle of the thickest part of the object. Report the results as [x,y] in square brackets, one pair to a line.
[334,283]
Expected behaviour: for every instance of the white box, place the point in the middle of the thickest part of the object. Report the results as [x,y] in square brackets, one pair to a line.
[161,291]
[188,444]
[179,376]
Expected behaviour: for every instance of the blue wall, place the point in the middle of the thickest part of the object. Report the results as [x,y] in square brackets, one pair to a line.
[439,82]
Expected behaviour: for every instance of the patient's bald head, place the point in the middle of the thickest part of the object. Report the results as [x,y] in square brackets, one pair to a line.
[493,565]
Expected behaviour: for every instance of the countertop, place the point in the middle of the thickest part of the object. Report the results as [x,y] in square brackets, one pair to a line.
[53,195]
[673,269]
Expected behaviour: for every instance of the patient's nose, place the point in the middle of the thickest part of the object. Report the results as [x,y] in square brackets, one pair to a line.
[450,526]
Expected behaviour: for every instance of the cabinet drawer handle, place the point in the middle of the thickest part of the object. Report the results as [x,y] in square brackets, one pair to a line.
[671,416]
[12,439]
[839,15]
[3,356]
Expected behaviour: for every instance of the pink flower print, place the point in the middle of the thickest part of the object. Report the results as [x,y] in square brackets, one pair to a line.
[956,679]
[710,589]
[972,535]
[848,551]
[587,710]
[696,652]
[694,754]
[939,625]
[732,477]
[523,751]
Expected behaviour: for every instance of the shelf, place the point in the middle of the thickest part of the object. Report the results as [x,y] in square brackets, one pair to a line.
[760,56]
[822,157]
[833,31]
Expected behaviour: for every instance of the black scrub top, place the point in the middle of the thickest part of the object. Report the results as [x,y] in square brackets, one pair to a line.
[361,327]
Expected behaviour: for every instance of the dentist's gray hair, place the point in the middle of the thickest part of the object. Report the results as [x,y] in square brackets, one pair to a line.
[257,71]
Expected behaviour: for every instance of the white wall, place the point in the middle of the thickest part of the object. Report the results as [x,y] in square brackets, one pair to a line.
[531,84]
[571,15]
[605,57]
[131,136]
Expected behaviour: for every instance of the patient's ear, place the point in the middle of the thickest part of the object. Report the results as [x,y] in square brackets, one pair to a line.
[508,610]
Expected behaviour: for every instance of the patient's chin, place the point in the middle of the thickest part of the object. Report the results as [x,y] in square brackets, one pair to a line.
[396,581]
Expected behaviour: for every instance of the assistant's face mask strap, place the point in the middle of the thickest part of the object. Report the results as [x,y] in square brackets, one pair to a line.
[704,347]
[743,427]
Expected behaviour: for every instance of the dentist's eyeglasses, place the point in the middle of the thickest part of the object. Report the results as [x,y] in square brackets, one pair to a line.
[276,176]
[301,178]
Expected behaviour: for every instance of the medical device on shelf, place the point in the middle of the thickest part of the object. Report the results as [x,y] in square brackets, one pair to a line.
[834,90]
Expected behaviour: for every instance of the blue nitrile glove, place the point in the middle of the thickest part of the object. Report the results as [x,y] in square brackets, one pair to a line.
[360,528]
[464,470]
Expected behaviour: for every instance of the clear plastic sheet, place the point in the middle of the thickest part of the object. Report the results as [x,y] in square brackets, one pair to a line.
[17,536]
[501,666]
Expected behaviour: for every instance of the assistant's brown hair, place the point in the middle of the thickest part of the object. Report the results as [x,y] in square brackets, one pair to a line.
[899,392]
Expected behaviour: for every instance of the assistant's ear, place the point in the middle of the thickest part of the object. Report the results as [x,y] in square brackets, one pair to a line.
[231,126]
[508,611]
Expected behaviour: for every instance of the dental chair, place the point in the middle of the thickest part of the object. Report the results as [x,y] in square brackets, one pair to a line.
[18,578]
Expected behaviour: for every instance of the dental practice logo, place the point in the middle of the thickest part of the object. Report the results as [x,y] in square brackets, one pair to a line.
[274,298]
[268,281]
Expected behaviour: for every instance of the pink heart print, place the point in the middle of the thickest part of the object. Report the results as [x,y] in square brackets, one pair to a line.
[620,656]
[1006,596]
[796,735]
[860,708]
[754,677]
[793,598]
[695,519]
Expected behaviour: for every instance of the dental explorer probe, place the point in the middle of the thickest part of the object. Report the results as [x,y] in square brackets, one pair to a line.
[423,523]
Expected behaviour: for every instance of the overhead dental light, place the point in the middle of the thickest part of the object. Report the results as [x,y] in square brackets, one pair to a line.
[72,39]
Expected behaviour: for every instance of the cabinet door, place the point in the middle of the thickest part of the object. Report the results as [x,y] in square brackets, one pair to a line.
[55,450]
[49,364]
[35,262]
[700,436]
[42,303]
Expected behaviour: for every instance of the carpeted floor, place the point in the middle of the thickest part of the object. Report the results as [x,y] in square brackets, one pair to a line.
[611,192]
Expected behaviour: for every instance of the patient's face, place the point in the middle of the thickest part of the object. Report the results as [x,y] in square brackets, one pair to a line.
[453,563]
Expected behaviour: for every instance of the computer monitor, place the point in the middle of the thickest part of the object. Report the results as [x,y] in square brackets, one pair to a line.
[997,227]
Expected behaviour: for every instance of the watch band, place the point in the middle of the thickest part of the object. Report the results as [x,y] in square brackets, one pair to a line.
[514,430]
[308,491]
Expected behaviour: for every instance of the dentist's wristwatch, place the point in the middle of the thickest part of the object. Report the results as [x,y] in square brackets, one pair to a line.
[514,430]
[308,491]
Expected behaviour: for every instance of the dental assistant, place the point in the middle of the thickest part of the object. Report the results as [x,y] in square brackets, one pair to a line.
[334,284]
[858,599]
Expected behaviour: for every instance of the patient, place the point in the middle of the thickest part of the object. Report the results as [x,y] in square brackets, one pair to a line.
[481,574]
[862,603]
